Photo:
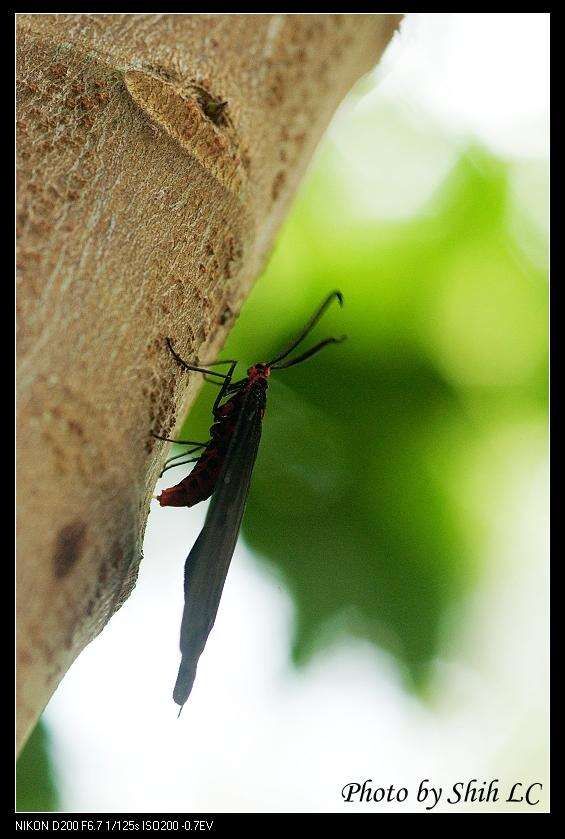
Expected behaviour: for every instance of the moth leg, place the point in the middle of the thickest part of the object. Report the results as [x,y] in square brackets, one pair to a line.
[186,366]
[230,361]
[180,442]
[182,463]
[183,454]
[225,385]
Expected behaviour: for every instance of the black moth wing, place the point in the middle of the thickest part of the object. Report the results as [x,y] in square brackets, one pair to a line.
[208,562]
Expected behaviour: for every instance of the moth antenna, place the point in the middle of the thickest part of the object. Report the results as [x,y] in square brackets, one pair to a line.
[334,295]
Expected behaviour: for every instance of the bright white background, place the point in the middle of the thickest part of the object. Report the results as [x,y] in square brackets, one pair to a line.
[257,735]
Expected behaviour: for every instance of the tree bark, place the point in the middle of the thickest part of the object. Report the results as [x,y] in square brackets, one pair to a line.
[146,208]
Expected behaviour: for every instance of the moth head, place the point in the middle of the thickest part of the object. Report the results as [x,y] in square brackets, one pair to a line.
[259,371]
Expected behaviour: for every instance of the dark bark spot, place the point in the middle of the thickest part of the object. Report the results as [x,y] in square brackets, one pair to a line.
[278,184]
[117,556]
[68,547]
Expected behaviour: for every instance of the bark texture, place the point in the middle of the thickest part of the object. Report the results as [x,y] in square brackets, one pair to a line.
[146,208]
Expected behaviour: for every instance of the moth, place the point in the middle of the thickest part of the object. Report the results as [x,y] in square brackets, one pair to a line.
[223,470]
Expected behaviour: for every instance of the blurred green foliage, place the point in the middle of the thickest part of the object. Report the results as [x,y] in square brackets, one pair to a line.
[35,786]
[356,495]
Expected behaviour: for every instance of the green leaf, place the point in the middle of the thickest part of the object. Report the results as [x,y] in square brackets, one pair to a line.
[36,789]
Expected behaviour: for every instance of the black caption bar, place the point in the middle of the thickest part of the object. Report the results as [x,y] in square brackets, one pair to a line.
[115,823]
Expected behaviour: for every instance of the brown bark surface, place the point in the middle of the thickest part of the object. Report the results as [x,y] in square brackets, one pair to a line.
[146,208]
